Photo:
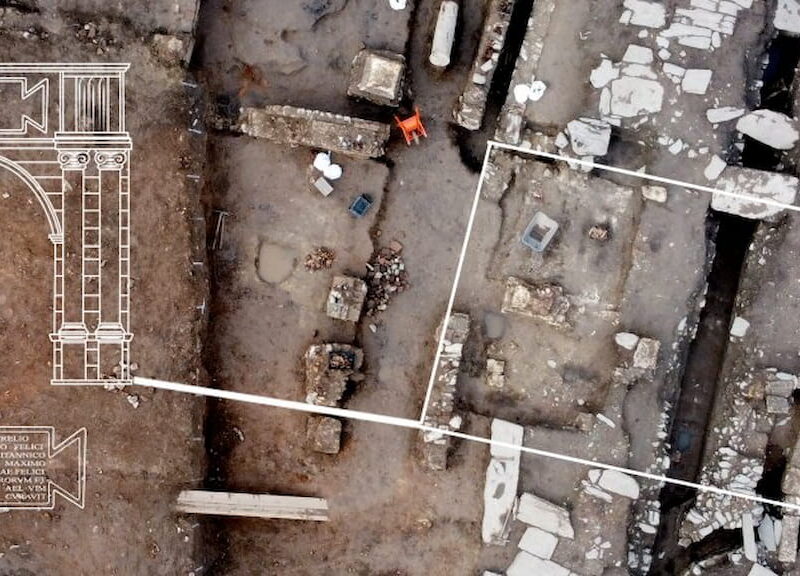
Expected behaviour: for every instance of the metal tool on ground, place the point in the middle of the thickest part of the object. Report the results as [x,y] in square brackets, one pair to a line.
[219,230]
[412,127]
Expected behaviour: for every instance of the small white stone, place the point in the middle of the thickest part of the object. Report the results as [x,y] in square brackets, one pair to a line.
[696,81]
[714,168]
[626,340]
[638,54]
[739,327]
[655,193]
[619,483]
[723,114]
[603,74]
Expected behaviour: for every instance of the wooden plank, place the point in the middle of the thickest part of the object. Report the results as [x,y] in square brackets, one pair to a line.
[252,505]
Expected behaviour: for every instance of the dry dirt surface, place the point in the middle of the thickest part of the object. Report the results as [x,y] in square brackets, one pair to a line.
[138,458]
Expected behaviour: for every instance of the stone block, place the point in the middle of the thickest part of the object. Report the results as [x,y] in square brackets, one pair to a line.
[324,434]
[346,298]
[377,76]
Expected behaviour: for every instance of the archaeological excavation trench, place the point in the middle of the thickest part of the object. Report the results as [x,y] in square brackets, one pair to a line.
[729,238]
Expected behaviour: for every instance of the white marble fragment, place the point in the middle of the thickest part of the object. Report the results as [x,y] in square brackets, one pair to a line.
[696,81]
[723,114]
[771,128]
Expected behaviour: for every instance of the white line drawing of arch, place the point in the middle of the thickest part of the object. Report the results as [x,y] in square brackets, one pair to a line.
[53,221]
[63,134]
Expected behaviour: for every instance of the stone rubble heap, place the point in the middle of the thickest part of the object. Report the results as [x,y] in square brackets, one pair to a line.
[738,462]
[790,485]
[646,513]
[639,359]
[320,259]
[439,415]
[386,276]
[495,373]
[545,302]
[329,370]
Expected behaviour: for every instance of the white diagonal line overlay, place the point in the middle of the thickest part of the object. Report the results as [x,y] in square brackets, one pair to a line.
[417,425]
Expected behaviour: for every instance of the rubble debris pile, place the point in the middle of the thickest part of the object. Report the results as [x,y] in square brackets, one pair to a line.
[386,276]
[329,370]
[544,302]
[101,36]
[502,478]
[435,445]
[172,50]
[320,259]
[377,76]
[738,462]
[316,129]
[346,298]
[784,386]
[495,373]
[472,101]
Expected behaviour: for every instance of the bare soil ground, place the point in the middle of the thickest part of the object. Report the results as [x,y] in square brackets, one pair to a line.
[388,515]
